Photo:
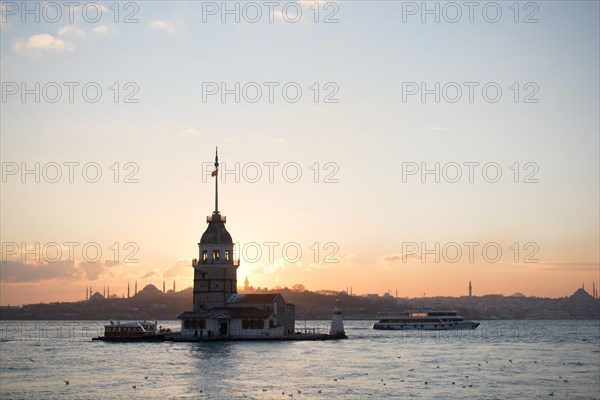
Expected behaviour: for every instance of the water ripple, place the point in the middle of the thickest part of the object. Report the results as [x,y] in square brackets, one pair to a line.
[501,359]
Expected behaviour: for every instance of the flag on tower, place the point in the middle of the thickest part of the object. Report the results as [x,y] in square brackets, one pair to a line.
[214,173]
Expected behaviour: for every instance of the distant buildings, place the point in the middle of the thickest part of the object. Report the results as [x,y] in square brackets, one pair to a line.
[151,302]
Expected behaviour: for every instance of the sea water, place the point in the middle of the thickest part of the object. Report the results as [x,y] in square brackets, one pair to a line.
[499,360]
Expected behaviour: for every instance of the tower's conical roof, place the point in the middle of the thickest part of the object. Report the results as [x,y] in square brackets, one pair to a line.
[216,233]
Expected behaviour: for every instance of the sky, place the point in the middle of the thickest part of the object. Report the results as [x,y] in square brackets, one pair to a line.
[381,146]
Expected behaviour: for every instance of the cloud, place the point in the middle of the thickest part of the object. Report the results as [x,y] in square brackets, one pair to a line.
[397,259]
[179,268]
[20,272]
[161,25]
[571,267]
[71,31]
[291,15]
[17,271]
[190,131]
[277,265]
[91,270]
[392,259]
[101,30]
[43,41]
[150,274]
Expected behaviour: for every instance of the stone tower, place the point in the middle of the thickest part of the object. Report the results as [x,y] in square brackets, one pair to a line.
[215,272]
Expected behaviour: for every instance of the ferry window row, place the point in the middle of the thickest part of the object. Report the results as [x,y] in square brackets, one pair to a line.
[120,329]
[415,320]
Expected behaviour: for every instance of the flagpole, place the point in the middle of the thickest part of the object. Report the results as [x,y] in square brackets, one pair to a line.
[217,180]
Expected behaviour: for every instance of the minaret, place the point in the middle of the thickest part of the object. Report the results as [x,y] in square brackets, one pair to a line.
[128,289]
[470,289]
[173,285]
[337,323]
[108,292]
[87,296]
[215,272]
[104,292]
[164,291]
[135,290]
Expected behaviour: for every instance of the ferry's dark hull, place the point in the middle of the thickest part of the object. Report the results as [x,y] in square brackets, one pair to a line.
[144,338]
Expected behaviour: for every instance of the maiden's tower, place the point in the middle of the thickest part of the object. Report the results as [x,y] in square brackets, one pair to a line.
[218,310]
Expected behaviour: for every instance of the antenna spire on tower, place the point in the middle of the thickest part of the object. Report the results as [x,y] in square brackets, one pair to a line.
[215,174]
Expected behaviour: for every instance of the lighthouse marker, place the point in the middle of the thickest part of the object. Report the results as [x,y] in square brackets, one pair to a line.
[337,323]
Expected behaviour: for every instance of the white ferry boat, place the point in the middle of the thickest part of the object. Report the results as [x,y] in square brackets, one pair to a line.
[427,319]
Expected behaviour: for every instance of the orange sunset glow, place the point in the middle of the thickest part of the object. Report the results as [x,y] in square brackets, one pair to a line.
[380,174]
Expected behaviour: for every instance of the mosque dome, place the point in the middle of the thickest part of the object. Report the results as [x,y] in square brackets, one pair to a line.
[96,297]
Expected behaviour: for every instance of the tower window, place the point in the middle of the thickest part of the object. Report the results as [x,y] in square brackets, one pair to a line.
[216,255]
[204,256]
[226,255]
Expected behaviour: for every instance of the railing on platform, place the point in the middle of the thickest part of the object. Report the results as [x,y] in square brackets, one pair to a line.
[195,262]
[312,327]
